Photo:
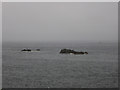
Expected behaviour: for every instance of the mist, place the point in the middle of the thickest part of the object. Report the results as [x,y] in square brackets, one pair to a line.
[60,22]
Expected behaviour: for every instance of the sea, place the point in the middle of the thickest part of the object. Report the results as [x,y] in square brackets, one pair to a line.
[48,68]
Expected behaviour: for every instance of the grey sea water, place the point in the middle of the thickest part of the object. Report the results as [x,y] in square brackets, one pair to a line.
[49,69]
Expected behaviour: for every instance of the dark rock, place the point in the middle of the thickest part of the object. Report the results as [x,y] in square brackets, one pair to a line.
[79,52]
[68,51]
[86,52]
[29,50]
[37,49]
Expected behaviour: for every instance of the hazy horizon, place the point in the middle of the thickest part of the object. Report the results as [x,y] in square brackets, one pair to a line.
[60,22]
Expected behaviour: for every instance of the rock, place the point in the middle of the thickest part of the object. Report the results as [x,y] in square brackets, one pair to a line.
[86,52]
[37,49]
[29,50]
[79,52]
[69,51]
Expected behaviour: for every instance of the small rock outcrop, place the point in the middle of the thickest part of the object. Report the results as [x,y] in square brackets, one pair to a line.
[29,50]
[86,52]
[69,51]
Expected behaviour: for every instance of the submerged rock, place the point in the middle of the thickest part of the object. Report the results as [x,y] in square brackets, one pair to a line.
[69,51]
[29,50]
[37,49]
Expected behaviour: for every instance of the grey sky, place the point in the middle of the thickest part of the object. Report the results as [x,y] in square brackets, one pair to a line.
[60,22]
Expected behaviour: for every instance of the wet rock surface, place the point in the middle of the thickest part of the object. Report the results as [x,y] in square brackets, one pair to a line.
[29,50]
[69,51]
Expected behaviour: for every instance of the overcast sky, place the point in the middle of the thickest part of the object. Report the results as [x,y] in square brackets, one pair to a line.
[60,22]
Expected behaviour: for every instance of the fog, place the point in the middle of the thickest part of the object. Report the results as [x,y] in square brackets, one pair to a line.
[60,22]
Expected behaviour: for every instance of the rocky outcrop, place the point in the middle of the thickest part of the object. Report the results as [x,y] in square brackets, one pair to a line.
[69,51]
[86,52]
[29,50]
